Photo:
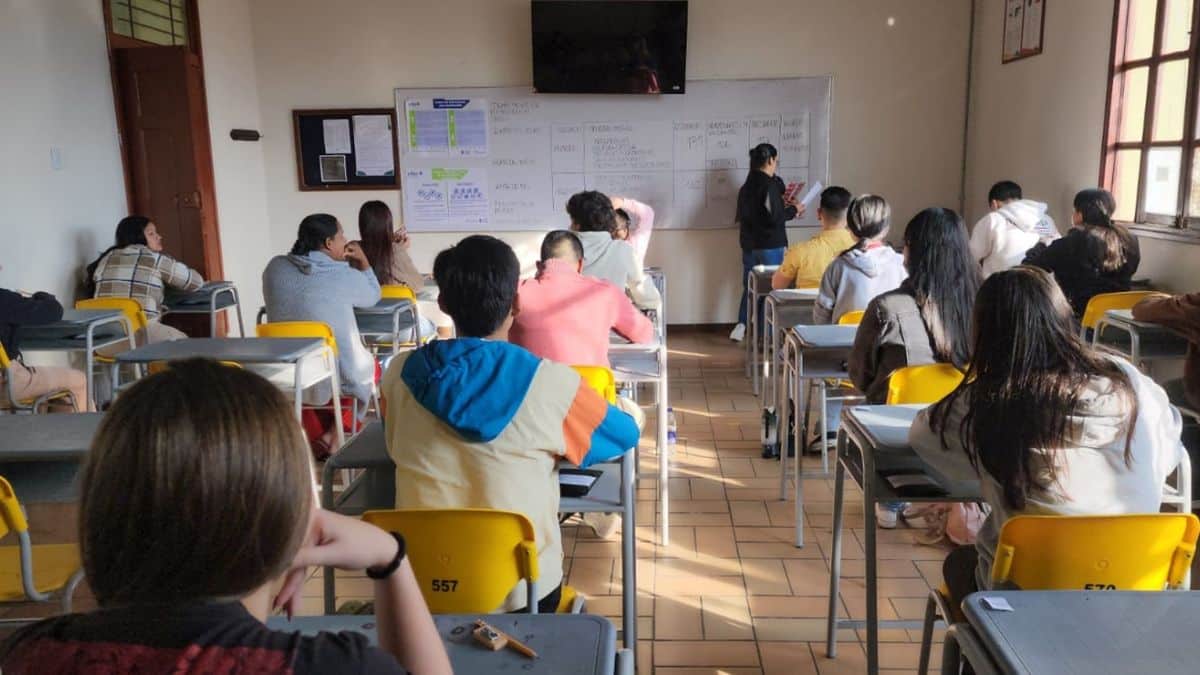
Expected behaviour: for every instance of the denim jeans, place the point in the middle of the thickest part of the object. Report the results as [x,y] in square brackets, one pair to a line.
[759,256]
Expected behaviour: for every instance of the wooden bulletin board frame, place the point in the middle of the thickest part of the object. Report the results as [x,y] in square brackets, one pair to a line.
[1027,41]
[307,126]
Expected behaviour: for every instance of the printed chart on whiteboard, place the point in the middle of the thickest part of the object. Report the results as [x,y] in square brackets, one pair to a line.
[505,159]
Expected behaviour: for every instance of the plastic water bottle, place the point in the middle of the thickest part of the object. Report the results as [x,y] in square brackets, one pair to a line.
[672,429]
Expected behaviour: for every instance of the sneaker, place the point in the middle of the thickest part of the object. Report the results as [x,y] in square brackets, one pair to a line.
[603,524]
[738,332]
[887,514]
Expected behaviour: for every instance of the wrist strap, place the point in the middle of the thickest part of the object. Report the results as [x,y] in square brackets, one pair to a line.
[378,573]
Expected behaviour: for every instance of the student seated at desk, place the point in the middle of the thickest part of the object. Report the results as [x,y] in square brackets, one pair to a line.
[1096,256]
[635,222]
[387,250]
[1180,313]
[804,263]
[926,320]
[867,269]
[1001,239]
[30,382]
[135,267]
[188,560]
[565,316]
[324,279]
[615,261]
[476,422]
[1051,425]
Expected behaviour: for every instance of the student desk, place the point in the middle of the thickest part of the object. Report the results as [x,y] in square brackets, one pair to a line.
[782,308]
[566,644]
[40,454]
[211,299]
[873,439]
[289,363]
[1141,341]
[79,330]
[809,353]
[1092,632]
[758,285]
[375,488]
[385,322]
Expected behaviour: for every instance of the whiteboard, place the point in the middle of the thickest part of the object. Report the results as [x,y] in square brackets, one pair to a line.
[479,159]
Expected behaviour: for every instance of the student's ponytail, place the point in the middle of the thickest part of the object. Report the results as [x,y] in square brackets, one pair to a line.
[1109,241]
[131,231]
[867,217]
[760,155]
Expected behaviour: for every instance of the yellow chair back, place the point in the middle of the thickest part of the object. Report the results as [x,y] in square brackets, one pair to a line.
[130,307]
[466,560]
[1099,304]
[4,360]
[297,329]
[397,291]
[1143,552]
[852,318]
[601,379]
[12,516]
[922,384]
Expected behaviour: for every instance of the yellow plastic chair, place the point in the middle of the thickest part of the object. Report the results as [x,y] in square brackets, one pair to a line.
[402,292]
[851,318]
[159,366]
[923,384]
[467,561]
[1100,304]
[132,310]
[1139,552]
[601,379]
[33,573]
[309,329]
[30,405]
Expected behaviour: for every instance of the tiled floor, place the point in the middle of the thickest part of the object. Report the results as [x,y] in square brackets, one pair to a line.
[731,594]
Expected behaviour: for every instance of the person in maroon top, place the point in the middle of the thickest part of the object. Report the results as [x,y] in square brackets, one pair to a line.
[197,520]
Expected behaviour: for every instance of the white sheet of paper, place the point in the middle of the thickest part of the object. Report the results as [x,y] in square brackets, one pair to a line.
[337,137]
[997,604]
[575,479]
[812,194]
[373,145]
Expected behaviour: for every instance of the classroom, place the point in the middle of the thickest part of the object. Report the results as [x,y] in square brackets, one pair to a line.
[599,336]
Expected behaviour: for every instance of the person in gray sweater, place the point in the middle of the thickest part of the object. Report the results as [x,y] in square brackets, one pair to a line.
[324,279]
[868,269]
[593,220]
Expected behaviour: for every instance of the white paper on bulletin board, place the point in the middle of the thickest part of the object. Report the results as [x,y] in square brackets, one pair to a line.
[686,156]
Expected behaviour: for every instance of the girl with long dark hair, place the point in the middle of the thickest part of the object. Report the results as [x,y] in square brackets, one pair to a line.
[1096,256]
[1051,425]
[386,247]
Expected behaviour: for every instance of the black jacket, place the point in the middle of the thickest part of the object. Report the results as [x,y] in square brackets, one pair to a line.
[761,214]
[1075,261]
[17,310]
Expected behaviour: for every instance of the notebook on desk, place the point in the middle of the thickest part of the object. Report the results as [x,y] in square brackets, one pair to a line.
[577,482]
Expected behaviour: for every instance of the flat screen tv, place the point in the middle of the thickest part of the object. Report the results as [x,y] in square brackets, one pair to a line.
[609,46]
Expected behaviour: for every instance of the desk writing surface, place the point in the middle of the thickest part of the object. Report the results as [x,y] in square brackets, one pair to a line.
[566,644]
[825,337]
[794,294]
[200,298]
[1090,632]
[71,327]
[46,437]
[242,350]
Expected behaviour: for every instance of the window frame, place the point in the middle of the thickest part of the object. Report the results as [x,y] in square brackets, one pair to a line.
[1180,223]
[118,40]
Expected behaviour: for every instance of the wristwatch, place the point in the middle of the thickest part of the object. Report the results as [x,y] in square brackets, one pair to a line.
[378,573]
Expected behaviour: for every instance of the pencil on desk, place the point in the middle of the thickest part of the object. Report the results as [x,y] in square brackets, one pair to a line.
[517,645]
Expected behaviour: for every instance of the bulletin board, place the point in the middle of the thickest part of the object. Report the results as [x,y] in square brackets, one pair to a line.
[346,149]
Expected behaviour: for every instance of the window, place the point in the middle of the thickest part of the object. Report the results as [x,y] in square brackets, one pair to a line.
[1151,159]
[157,22]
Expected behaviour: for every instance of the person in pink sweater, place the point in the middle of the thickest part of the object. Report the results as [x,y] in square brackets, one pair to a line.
[635,221]
[565,316]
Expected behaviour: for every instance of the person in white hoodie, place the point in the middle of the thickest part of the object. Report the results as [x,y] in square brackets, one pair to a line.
[594,220]
[868,269]
[1051,425]
[1012,227]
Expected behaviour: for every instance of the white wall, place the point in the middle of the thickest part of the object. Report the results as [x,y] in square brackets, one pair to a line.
[56,92]
[1040,122]
[898,100]
[231,86]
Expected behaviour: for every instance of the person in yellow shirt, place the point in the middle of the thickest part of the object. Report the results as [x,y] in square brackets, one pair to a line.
[804,263]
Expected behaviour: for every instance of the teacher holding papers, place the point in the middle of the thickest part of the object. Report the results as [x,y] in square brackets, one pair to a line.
[764,206]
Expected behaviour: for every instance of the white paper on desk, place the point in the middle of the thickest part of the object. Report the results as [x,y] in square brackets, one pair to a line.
[337,137]
[811,194]
[582,480]
[998,604]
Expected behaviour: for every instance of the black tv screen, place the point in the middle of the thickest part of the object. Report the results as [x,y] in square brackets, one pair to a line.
[609,46]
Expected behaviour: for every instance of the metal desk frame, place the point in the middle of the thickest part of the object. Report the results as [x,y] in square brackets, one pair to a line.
[214,291]
[1122,320]
[758,285]
[772,338]
[30,342]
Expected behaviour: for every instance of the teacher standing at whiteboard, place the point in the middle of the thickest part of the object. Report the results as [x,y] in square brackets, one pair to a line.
[762,217]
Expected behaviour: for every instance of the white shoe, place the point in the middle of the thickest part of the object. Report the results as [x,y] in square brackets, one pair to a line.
[887,515]
[738,332]
[603,524]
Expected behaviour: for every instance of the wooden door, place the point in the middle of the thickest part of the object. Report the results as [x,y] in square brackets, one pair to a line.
[165,122]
